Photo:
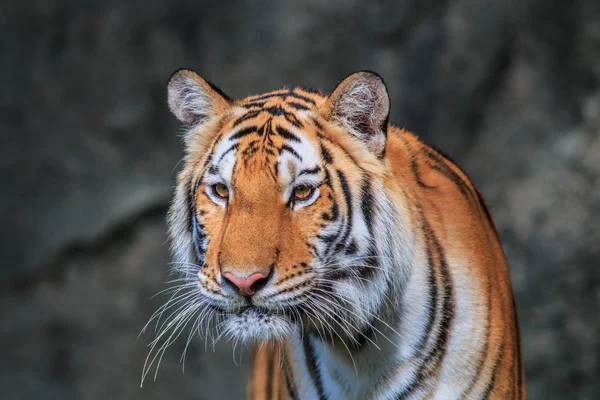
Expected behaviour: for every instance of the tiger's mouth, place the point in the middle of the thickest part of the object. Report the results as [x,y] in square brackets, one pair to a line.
[252,309]
[253,323]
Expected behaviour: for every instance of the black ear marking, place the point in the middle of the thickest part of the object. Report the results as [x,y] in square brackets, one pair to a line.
[361,104]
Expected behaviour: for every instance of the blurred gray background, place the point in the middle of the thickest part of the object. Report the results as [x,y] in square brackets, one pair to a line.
[510,89]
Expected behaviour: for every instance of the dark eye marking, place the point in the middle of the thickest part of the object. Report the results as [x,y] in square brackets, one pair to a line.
[284,133]
[229,150]
[290,150]
[312,171]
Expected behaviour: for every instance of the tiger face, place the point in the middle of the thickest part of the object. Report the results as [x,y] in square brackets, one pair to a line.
[277,219]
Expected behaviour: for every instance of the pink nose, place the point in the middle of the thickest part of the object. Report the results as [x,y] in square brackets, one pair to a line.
[247,286]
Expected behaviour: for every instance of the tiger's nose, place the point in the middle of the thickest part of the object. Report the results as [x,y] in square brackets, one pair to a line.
[247,286]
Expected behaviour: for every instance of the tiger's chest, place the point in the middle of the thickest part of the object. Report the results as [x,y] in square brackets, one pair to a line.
[321,368]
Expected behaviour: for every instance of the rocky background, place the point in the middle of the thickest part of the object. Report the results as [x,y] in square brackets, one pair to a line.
[510,89]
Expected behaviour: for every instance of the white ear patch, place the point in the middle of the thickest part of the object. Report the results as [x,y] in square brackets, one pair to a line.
[188,98]
[361,104]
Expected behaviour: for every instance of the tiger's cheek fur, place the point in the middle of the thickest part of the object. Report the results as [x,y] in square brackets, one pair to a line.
[208,218]
[298,253]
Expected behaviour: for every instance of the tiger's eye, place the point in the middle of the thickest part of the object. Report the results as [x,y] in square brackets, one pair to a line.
[221,190]
[303,192]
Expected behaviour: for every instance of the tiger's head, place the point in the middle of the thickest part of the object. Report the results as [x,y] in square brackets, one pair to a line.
[282,219]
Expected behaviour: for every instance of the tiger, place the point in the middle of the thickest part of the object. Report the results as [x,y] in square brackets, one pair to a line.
[355,260]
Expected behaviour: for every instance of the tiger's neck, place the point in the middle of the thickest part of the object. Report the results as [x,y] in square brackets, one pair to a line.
[320,367]
[358,357]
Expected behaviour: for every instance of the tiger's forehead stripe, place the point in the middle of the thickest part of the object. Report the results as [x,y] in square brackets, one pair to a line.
[309,96]
[278,129]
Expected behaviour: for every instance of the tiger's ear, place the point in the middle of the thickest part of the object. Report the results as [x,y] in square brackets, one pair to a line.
[361,104]
[194,100]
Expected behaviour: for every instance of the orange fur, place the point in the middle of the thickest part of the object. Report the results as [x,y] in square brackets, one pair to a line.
[258,232]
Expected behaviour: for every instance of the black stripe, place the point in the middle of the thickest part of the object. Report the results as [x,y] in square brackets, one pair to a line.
[291,118]
[384,129]
[326,155]
[440,166]
[484,353]
[195,228]
[486,210]
[317,124]
[490,386]
[448,302]
[360,338]
[352,248]
[466,187]
[433,300]
[371,262]
[518,350]
[218,90]
[283,94]
[274,110]
[333,214]
[297,106]
[414,166]
[266,130]
[284,133]
[327,182]
[311,366]
[254,104]
[311,90]
[245,117]
[328,239]
[289,378]
[197,236]
[454,178]
[190,207]
[212,151]
[287,148]
[266,96]
[311,171]
[446,156]
[437,352]
[300,97]
[348,198]
[332,239]
[194,188]
[366,205]
[244,132]
[232,148]
[384,125]
[346,153]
